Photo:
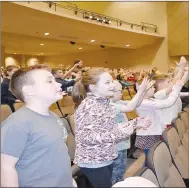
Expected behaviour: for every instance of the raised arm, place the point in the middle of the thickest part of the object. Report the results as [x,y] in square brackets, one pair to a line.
[178,75]
[180,70]
[9,175]
[165,103]
[70,71]
[136,100]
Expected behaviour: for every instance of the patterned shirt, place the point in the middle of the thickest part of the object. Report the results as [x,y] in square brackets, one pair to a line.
[95,131]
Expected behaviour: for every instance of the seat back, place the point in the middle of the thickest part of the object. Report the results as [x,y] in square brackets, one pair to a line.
[178,152]
[184,116]
[135,167]
[18,105]
[148,174]
[183,133]
[160,162]
[5,112]
[53,106]
[66,101]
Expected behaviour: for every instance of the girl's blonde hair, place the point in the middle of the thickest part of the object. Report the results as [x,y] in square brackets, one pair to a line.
[81,88]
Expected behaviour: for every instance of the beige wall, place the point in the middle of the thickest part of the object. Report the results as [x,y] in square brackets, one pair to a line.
[2,55]
[178,24]
[16,59]
[143,58]
[135,12]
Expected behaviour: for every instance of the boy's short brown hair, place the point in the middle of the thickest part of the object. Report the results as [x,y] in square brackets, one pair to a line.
[54,71]
[21,78]
[9,69]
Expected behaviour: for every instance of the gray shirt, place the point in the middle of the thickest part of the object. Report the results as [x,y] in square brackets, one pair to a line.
[39,143]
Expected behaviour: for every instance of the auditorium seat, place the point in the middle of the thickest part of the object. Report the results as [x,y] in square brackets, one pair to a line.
[53,106]
[183,133]
[160,162]
[66,101]
[18,105]
[147,174]
[5,112]
[178,153]
[184,116]
[135,166]
[57,112]
[66,105]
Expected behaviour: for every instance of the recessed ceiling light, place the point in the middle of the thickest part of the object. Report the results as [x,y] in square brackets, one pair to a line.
[92,40]
[80,48]
[46,33]
[41,53]
[127,45]
[15,53]
[42,44]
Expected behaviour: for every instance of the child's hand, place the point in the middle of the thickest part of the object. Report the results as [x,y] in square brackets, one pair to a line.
[143,123]
[143,86]
[182,61]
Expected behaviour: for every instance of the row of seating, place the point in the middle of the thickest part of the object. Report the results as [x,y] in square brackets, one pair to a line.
[62,108]
[168,160]
[173,150]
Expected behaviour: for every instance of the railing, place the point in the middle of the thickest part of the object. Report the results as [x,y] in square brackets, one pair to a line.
[100,17]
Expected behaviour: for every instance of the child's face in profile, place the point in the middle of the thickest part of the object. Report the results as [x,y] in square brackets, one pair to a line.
[165,83]
[117,92]
[45,88]
[105,86]
[151,92]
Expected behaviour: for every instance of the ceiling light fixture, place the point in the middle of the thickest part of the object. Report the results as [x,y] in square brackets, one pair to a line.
[15,53]
[42,44]
[46,33]
[80,48]
[92,40]
[41,53]
[127,45]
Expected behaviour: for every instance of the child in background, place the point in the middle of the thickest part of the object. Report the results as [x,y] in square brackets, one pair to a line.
[164,85]
[119,164]
[96,130]
[152,109]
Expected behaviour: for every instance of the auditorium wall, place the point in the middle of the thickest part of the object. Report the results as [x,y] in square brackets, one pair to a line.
[22,60]
[143,58]
[136,12]
[178,24]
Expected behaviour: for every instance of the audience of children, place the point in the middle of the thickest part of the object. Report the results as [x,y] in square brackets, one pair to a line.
[33,136]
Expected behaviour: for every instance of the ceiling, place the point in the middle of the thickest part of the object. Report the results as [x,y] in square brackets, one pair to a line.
[23,31]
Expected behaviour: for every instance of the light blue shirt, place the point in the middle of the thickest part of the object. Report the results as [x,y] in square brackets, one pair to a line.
[120,118]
